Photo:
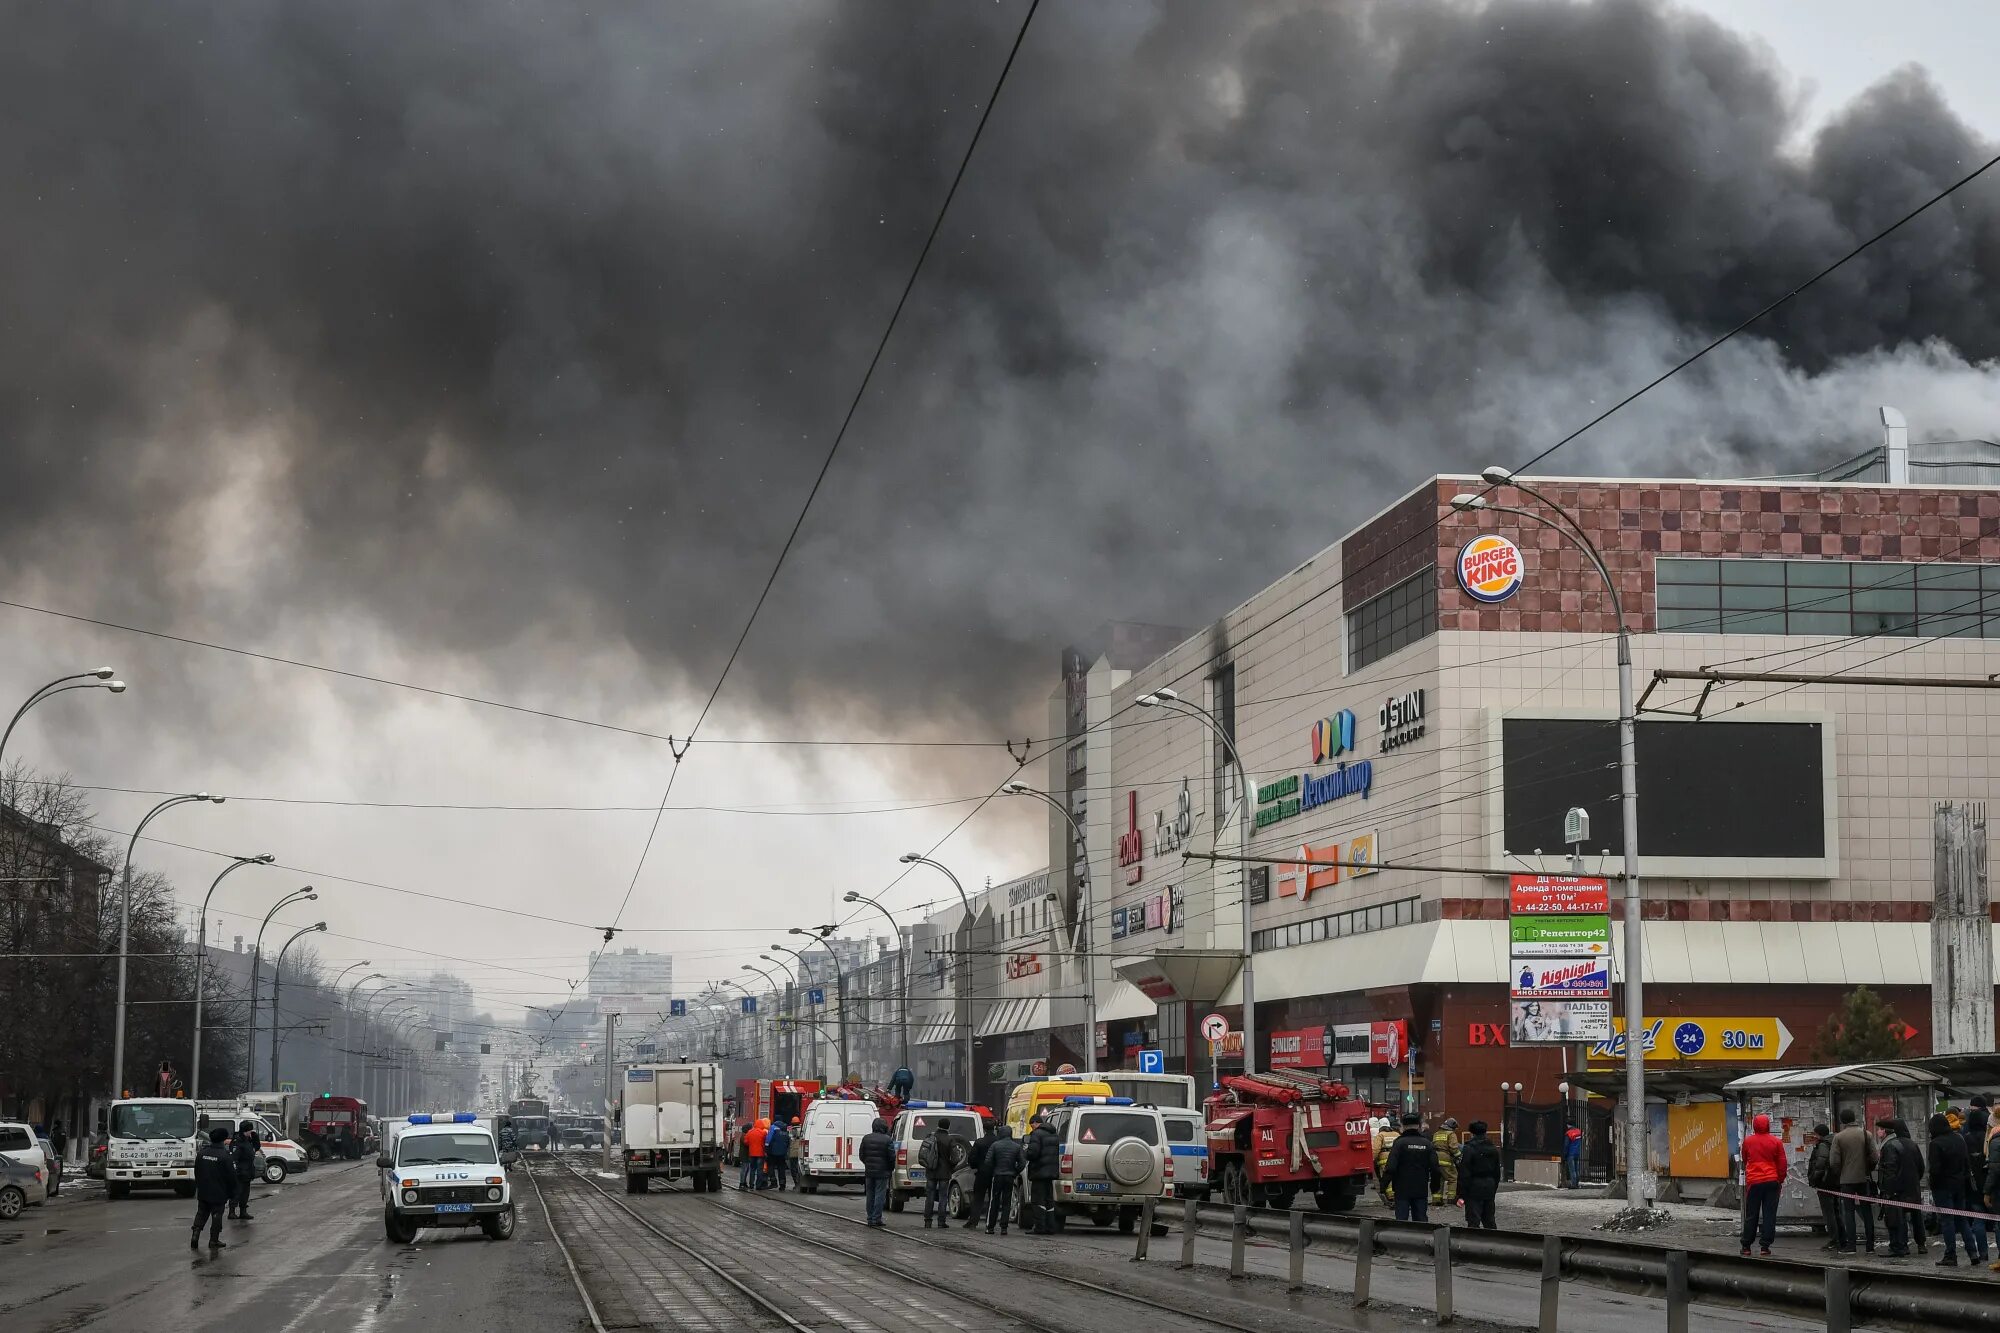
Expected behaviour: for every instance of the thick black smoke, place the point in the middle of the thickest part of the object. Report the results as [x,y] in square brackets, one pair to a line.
[523,328]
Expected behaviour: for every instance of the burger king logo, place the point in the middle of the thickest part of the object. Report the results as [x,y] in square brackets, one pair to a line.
[1489,568]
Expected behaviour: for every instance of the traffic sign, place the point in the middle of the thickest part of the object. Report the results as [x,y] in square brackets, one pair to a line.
[1215,1027]
[816,996]
[1153,1062]
[677,1008]
[288,1086]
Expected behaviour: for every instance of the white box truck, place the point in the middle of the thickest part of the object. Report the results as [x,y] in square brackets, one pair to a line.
[672,1126]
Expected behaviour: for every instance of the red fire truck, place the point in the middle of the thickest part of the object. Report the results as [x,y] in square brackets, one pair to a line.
[773,1098]
[1273,1134]
[335,1127]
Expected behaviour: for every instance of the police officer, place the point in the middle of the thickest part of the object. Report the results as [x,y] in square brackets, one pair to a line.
[214,1187]
[245,1151]
[1043,1153]
[982,1176]
[1412,1171]
[1003,1162]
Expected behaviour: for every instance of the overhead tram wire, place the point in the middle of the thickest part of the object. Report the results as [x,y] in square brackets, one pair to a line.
[826,464]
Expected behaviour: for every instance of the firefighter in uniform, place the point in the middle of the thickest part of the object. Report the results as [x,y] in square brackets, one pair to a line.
[1385,1138]
[1446,1142]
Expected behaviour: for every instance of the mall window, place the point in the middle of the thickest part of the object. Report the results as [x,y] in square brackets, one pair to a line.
[1356,921]
[1827,597]
[1392,620]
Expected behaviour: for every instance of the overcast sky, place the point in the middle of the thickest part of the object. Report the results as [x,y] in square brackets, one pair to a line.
[494,349]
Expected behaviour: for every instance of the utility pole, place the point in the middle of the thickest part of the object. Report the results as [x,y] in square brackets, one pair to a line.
[610,1115]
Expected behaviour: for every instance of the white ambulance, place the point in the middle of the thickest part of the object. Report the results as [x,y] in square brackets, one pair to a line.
[834,1128]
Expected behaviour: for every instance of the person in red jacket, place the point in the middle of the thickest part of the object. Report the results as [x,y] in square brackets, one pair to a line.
[1763,1179]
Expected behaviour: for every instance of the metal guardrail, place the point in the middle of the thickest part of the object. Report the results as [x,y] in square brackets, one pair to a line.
[1678,1277]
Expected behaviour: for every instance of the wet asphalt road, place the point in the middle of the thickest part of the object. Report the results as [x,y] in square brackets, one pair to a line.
[312,1260]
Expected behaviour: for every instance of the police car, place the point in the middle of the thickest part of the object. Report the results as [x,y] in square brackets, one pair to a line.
[445,1171]
[1114,1157]
[915,1123]
[1187,1153]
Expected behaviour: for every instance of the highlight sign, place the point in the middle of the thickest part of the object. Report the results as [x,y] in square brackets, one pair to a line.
[1489,568]
[1562,978]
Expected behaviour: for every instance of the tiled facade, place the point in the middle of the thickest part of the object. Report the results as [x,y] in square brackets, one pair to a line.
[1549,652]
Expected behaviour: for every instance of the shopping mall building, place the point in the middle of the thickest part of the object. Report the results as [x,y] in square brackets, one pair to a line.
[1420,711]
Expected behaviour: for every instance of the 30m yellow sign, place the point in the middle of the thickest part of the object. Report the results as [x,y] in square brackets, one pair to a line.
[1708,1040]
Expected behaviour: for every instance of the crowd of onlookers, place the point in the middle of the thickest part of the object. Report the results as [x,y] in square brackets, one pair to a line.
[1858,1173]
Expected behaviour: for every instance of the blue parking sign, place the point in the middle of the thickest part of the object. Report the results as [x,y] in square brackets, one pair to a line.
[1153,1062]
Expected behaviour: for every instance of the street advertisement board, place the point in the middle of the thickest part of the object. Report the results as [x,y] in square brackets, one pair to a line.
[1299,1048]
[1555,895]
[1560,936]
[1555,1021]
[1707,1040]
[1562,978]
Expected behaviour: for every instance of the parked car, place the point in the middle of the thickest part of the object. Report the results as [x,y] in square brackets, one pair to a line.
[55,1164]
[20,1143]
[20,1186]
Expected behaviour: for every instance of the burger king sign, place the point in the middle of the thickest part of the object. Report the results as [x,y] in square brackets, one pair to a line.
[1489,568]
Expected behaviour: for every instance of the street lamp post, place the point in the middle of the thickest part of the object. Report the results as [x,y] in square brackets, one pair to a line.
[797,995]
[201,955]
[777,991]
[347,1028]
[731,981]
[125,922]
[1086,962]
[305,894]
[964,961]
[370,1019]
[791,1000]
[902,971]
[97,679]
[1246,794]
[840,992]
[277,980]
[1638,1177]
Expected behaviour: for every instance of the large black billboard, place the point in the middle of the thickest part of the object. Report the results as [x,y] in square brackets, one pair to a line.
[1706,789]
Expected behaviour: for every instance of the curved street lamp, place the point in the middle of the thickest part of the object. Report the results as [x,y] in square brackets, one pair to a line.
[1086,964]
[201,954]
[840,981]
[964,962]
[98,678]
[277,978]
[1246,795]
[305,894]
[1638,1175]
[125,921]
[902,973]
[347,1021]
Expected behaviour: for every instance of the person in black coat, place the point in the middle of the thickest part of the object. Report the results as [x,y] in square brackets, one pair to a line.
[214,1187]
[1412,1171]
[1479,1177]
[982,1176]
[1003,1162]
[1951,1187]
[1043,1155]
[1899,1179]
[878,1164]
[245,1150]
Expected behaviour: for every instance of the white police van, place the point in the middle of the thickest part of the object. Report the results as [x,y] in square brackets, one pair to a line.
[444,1171]
[915,1123]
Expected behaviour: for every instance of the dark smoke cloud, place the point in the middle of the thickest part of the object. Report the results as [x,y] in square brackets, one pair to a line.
[523,329]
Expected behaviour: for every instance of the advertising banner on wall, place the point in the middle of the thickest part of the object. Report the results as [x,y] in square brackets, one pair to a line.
[1562,978]
[1560,936]
[1558,895]
[1547,1021]
[1299,1048]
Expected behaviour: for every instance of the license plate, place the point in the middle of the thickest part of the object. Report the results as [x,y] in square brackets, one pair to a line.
[916,1173]
[1092,1187]
[454,1207]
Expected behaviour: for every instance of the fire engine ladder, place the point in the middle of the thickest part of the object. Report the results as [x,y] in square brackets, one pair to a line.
[707,1105]
[1308,1088]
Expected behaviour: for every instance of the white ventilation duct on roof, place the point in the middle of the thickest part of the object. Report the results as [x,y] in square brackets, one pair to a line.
[1896,446]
